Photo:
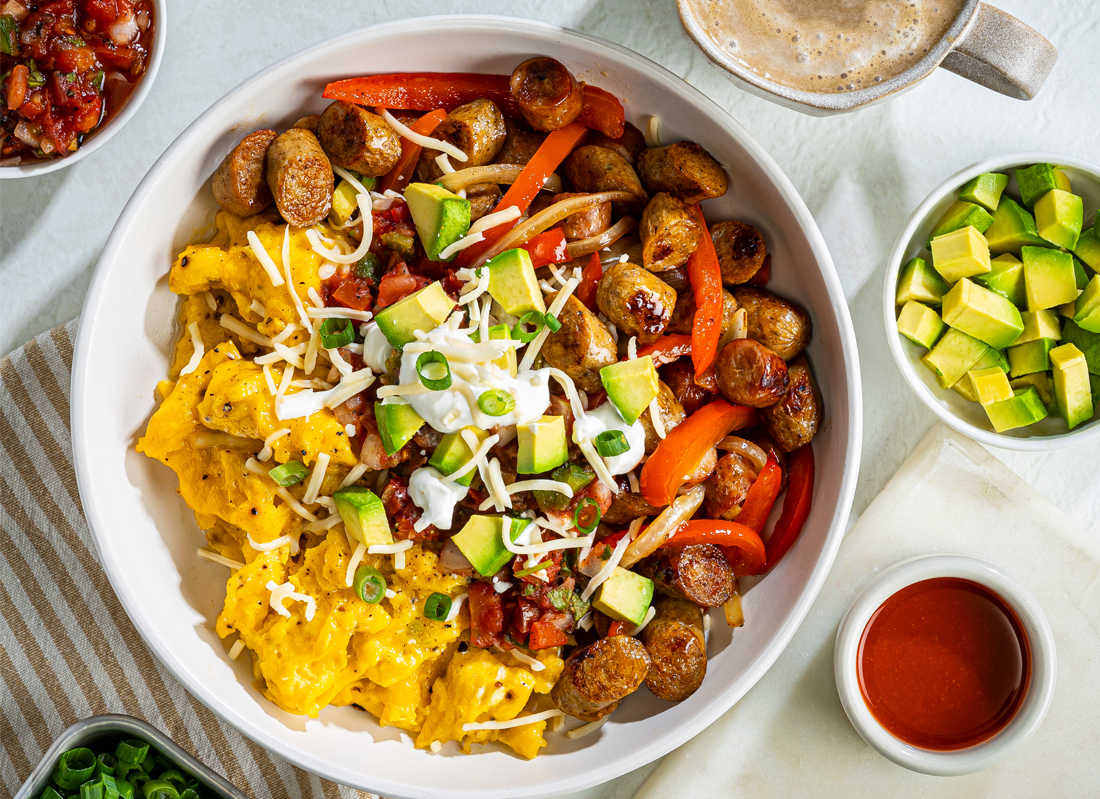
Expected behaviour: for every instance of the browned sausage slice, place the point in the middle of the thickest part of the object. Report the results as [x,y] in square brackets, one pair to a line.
[628,506]
[547,94]
[356,139]
[683,169]
[727,487]
[300,177]
[680,376]
[581,347]
[698,572]
[591,169]
[477,128]
[794,420]
[239,185]
[598,676]
[671,411]
[639,303]
[670,233]
[751,374]
[584,224]
[778,324]
[741,251]
[519,143]
[630,145]
[674,640]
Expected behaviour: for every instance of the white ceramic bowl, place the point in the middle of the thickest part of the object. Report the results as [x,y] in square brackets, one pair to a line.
[957,412]
[1040,690]
[146,537]
[102,135]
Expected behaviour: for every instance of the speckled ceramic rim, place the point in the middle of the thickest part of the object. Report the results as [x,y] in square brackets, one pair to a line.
[1087,433]
[828,103]
[104,135]
[1040,691]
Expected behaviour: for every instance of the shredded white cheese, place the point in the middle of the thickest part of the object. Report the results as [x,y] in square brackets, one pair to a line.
[265,259]
[357,471]
[211,303]
[353,564]
[269,379]
[444,164]
[214,557]
[298,306]
[604,573]
[436,747]
[284,334]
[632,348]
[586,622]
[652,129]
[523,657]
[632,479]
[424,141]
[281,541]
[234,325]
[200,349]
[587,729]
[519,722]
[256,308]
[543,546]
[478,457]
[340,313]
[407,390]
[236,649]
[285,591]
[655,417]
[649,614]
[326,523]
[456,606]
[398,551]
[317,478]
[533,348]
[294,504]
[541,485]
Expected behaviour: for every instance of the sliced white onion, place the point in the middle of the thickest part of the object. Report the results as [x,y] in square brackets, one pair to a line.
[664,526]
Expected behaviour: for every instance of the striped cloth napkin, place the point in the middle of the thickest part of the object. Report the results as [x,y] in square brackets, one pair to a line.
[67,648]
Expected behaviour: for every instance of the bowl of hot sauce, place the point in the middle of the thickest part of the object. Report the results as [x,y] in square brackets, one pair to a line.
[945,664]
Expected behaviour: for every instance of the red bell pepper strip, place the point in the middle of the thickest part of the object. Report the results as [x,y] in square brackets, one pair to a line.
[762,277]
[398,177]
[548,247]
[796,505]
[590,279]
[681,450]
[423,91]
[486,615]
[667,349]
[617,628]
[741,544]
[761,496]
[706,281]
[553,150]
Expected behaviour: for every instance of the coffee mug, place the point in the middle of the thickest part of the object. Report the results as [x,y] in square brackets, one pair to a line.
[865,52]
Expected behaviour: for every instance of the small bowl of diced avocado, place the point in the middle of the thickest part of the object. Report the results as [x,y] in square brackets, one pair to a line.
[992,301]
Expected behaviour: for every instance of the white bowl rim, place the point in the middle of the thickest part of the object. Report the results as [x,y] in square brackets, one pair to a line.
[1028,717]
[81,419]
[101,137]
[989,438]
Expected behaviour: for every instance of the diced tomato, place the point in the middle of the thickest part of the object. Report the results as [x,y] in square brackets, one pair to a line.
[398,284]
[547,248]
[549,574]
[104,11]
[486,615]
[590,278]
[526,613]
[121,57]
[353,292]
[74,59]
[550,630]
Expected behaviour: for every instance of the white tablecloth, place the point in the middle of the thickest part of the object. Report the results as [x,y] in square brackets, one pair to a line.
[860,174]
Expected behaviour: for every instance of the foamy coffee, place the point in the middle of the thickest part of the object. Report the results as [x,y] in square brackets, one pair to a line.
[827,45]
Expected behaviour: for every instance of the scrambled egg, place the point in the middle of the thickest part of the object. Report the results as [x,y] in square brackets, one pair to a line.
[411,672]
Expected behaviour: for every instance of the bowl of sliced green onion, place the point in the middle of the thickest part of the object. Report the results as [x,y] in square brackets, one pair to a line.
[121,757]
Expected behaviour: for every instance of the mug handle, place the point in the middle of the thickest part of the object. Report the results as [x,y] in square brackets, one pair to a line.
[1001,53]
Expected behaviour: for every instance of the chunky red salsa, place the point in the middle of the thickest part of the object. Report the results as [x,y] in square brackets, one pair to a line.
[68,66]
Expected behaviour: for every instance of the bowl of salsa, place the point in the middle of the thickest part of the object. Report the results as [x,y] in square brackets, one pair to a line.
[72,73]
[945,665]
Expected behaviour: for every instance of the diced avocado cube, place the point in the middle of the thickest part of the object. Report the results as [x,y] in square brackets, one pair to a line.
[1040,324]
[1071,385]
[397,424]
[1048,277]
[981,313]
[1067,309]
[985,190]
[507,361]
[965,389]
[1012,228]
[1041,381]
[1086,341]
[624,596]
[1025,407]
[631,386]
[363,515]
[1058,218]
[953,356]
[441,217]
[1024,359]
[424,310]
[1086,310]
[921,283]
[959,215]
[920,324]
[1037,180]
[542,445]
[993,359]
[1094,386]
[481,540]
[344,204]
[1080,275]
[962,253]
[1088,248]
[990,385]
[512,283]
[452,453]
[1006,277]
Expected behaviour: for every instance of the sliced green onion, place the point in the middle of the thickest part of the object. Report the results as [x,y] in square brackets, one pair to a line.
[159,789]
[289,473]
[610,443]
[437,607]
[546,564]
[425,361]
[553,323]
[131,750]
[125,789]
[106,763]
[530,318]
[582,511]
[94,789]
[138,779]
[173,777]
[50,792]
[496,402]
[368,266]
[190,793]
[336,333]
[369,584]
[75,767]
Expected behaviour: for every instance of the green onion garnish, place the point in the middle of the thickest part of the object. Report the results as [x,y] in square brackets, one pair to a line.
[591,518]
[368,266]
[94,789]
[106,763]
[190,793]
[159,789]
[131,750]
[425,361]
[289,473]
[369,584]
[546,564]
[174,778]
[336,333]
[610,443]
[75,767]
[36,78]
[530,318]
[437,607]
[553,323]
[125,789]
[496,402]
[50,792]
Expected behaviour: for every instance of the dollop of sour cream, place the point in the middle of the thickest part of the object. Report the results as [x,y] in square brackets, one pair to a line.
[376,348]
[607,417]
[434,497]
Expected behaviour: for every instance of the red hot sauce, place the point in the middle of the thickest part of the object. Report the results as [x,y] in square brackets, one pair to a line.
[944,664]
